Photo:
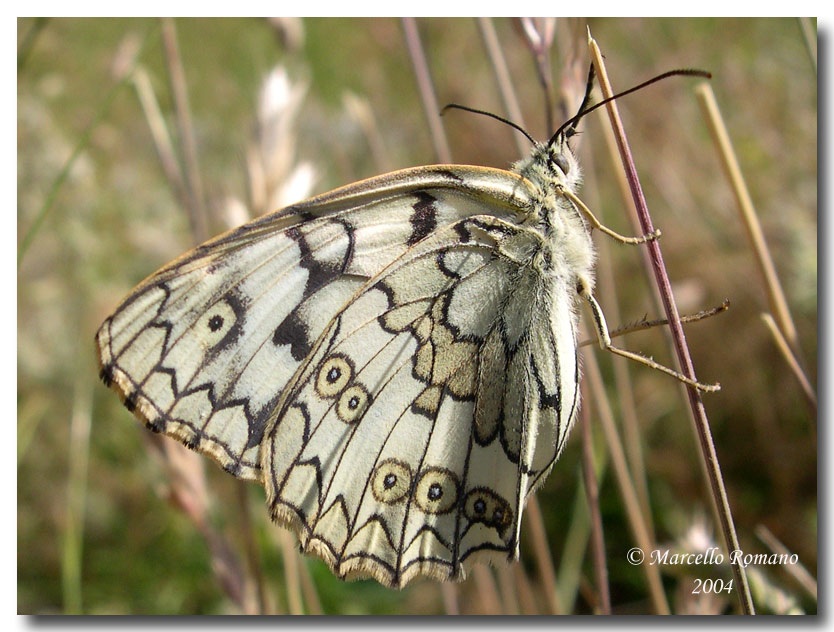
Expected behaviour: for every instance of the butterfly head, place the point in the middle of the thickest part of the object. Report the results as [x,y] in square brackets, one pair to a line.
[552,165]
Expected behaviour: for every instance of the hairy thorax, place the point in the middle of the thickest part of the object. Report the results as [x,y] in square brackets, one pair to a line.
[567,251]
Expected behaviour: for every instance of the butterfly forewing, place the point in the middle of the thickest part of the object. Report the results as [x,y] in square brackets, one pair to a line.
[202,349]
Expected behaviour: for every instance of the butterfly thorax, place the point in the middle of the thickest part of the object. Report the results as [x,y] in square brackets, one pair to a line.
[566,241]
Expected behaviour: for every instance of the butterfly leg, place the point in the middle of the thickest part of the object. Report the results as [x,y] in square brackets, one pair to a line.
[604,339]
[580,205]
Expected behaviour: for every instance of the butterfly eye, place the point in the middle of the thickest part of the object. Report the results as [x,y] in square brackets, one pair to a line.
[562,163]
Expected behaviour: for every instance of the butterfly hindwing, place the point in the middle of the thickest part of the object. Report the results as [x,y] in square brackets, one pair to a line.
[401,449]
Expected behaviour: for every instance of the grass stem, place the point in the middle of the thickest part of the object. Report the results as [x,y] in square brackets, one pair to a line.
[426,89]
[710,458]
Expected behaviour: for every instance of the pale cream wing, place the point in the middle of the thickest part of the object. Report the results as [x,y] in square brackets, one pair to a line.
[407,443]
[203,349]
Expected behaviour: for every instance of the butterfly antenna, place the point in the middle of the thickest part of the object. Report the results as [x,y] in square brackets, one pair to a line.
[589,87]
[455,106]
[572,122]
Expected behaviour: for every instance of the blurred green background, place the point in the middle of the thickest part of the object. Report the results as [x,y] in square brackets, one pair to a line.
[97,532]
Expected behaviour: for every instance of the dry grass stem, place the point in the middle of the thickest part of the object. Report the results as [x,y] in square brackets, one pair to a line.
[542,555]
[449,594]
[179,90]
[258,600]
[506,585]
[489,598]
[504,82]
[747,214]
[710,458]
[188,492]
[308,590]
[809,35]
[527,602]
[159,134]
[227,568]
[292,579]
[539,35]
[797,571]
[225,563]
[277,177]
[592,495]
[426,89]
[360,110]
[631,503]
[792,361]
[644,324]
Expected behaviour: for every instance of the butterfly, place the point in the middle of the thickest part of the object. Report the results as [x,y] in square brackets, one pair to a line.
[395,361]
